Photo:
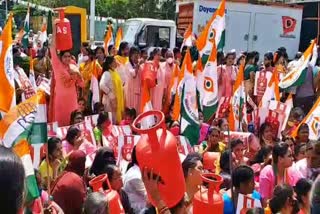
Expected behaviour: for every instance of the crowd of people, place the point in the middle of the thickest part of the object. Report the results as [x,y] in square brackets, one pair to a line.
[279,173]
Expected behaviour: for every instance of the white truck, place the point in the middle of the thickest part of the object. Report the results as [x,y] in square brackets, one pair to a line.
[146,33]
[249,27]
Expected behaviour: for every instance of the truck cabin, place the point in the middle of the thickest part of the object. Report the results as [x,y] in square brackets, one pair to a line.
[146,33]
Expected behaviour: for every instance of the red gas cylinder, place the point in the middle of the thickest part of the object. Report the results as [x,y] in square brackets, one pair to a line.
[127,148]
[63,32]
[149,74]
[209,200]
[157,150]
[210,160]
[273,121]
[114,202]
[262,85]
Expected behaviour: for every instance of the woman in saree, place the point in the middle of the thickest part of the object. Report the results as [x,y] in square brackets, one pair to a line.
[65,80]
[133,85]
[87,68]
[122,59]
[112,89]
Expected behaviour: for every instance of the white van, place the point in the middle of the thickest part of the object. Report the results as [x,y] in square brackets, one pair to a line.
[146,33]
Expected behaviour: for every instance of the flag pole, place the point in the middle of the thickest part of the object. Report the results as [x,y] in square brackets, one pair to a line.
[230,165]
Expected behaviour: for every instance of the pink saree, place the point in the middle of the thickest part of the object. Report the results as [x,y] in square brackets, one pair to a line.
[63,92]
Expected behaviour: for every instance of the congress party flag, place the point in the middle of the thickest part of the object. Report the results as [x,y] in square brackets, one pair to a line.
[313,121]
[188,37]
[214,31]
[22,149]
[7,92]
[210,86]
[297,74]
[236,114]
[190,125]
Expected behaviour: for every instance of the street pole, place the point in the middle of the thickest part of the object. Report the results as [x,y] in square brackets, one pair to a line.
[6,7]
[92,17]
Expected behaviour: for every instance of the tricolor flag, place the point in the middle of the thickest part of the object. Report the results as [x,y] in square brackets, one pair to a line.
[200,81]
[7,92]
[210,86]
[26,28]
[19,120]
[22,149]
[43,35]
[214,31]
[272,91]
[188,37]
[39,131]
[313,121]
[177,98]
[94,84]
[236,114]
[190,125]
[108,40]
[297,74]
[119,38]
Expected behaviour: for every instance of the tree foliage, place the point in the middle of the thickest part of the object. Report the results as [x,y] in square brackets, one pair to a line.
[122,9]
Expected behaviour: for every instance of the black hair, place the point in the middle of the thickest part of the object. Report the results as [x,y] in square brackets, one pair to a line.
[74,114]
[220,57]
[298,147]
[102,118]
[211,129]
[240,58]
[256,57]
[303,126]
[176,51]
[61,53]
[257,210]
[104,156]
[107,63]
[163,52]
[269,56]
[250,56]
[15,50]
[302,188]
[190,162]
[96,107]
[263,127]
[224,161]
[242,174]
[72,133]
[262,154]
[85,44]
[122,46]
[133,50]
[100,48]
[110,48]
[279,150]
[12,182]
[134,160]
[53,144]
[235,143]
[298,55]
[144,50]
[91,53]
[281,193]
[153,53]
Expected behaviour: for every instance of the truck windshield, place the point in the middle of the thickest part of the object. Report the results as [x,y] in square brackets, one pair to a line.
[130,30]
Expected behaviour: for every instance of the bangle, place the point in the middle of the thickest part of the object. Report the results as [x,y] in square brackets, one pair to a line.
[163,210]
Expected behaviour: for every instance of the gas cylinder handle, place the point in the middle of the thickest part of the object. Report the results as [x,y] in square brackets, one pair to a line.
[151,132]
[214,184]
[158,125]
[96,183]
